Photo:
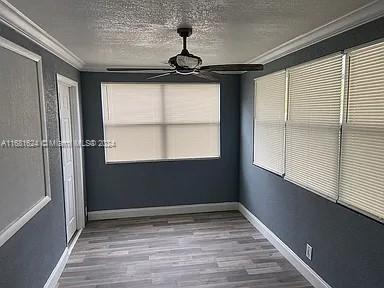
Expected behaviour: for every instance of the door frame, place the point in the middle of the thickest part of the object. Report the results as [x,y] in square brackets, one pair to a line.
[78,153]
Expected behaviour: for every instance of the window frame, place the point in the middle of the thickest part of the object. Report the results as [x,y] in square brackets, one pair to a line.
[103,85]
[286,95]
[343,95]
[344,118]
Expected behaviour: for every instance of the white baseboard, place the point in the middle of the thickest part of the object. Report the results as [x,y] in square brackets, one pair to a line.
[56,273]
[295,260]
[162,210]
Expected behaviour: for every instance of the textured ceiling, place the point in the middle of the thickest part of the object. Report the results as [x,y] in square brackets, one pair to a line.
[143,32]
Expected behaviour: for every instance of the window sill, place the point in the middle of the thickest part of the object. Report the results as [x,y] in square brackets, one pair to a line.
[161,160]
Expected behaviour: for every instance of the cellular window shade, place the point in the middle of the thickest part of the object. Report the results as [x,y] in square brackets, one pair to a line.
[191,103]
[133,104]
[269,122]
[362,158]
[161,121]
[192,117]
[132,119]
[312,133]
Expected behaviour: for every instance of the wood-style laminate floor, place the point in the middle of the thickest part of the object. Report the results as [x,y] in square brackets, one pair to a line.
[195,250]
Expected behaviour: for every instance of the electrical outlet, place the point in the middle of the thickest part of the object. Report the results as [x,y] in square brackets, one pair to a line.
[308,252]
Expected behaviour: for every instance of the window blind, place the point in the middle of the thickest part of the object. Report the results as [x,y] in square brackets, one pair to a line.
[269,122]
[362,158]
[161,121]
[312,131]
[192,118]
[133,120]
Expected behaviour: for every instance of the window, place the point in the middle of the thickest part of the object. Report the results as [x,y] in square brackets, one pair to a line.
[313,125]
[362,158]
[269,122]
[334,127]
[161,121]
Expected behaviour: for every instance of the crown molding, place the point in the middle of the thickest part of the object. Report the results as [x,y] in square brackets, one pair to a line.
[13,18]
[347,22]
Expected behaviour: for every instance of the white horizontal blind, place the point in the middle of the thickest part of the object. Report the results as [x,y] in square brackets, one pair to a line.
[161,121]
[312,135]
[362,159]
[269,122]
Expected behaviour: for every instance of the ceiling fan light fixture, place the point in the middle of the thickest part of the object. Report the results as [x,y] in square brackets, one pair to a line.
[188,61]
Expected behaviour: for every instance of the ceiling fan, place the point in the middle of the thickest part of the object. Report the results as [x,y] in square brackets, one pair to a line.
[186,63]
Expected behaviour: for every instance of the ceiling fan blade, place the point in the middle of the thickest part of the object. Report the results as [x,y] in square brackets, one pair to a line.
[122,69]
[233,67]
[161,75]
[212,76]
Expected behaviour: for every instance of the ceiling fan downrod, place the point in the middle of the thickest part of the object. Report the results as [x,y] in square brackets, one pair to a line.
[184,33]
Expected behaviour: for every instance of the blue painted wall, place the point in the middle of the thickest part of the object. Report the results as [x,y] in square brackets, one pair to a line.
[348,247]
[28,258]
[131,185]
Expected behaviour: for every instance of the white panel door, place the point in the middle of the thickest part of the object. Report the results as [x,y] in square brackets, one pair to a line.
[67,158]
